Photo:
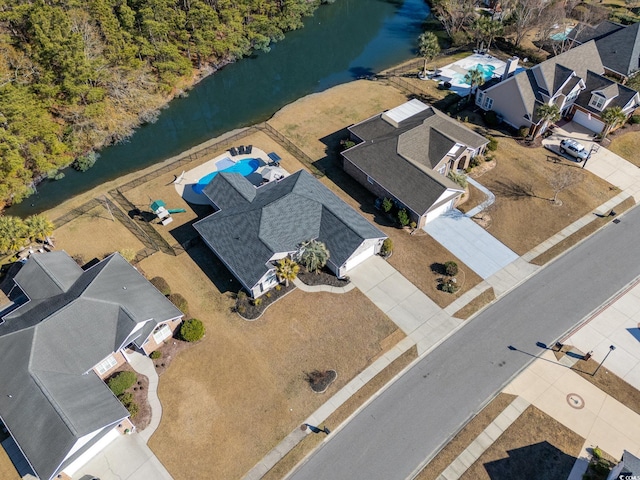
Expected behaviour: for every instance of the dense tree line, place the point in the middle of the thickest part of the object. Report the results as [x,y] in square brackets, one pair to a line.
[76,75]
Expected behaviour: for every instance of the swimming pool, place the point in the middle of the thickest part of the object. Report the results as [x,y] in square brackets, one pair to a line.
[487,73]
[244,167]
[561,36]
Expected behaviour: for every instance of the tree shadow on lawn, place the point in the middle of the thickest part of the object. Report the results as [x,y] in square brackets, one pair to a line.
[540,461]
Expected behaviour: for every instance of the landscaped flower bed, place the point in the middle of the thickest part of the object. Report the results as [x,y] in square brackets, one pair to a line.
[323,277]
[251,309]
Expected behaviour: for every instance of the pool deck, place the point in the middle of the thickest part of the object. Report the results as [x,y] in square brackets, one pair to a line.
[185,181]
[462,66]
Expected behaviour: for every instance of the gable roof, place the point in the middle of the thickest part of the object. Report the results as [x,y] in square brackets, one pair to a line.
[618,94]
[620,49]
[582,32]
[253,223]
[48,346]
[400,156]
[631,463]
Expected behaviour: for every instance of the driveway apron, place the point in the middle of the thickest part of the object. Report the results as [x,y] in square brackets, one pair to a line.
[471,243]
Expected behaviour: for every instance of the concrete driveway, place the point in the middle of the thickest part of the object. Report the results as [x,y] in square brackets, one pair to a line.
[603,163]
[471,243]
[126,458]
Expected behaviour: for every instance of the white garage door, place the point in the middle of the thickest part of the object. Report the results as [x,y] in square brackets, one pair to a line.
[432,215]
[588,121]
[359,258]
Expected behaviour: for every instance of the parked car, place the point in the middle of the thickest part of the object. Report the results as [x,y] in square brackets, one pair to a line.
[573,148]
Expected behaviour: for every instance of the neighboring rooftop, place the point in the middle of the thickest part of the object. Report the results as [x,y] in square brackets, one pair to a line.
[75,319]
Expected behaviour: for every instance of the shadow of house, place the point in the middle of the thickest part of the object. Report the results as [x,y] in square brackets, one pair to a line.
[635,332]
[540,461]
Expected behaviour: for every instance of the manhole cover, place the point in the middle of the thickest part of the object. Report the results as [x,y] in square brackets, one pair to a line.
[575,401]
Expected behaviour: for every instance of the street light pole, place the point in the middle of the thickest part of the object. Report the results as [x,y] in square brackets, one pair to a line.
[611,349]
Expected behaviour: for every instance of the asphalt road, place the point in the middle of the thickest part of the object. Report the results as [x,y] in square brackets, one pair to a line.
[409,421]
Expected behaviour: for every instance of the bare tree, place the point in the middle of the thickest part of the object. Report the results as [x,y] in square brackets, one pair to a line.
[454,14]
[562,178]
[525,16]
[552,16]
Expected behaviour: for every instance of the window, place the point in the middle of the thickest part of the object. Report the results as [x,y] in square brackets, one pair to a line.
[442,170]
[161,333]
[488,103]
[597,101]
[369,179]
[106,365]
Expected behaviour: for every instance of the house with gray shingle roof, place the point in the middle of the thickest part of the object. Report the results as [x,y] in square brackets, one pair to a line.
[573,80]
[56,346]
[628,468]
[406,153]
[253,227]
[618,46]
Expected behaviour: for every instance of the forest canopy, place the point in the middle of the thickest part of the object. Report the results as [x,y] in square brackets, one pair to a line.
[76,75]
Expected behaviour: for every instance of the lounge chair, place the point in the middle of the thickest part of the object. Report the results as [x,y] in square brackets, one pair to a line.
[241,150]
[248,149]
[233,151]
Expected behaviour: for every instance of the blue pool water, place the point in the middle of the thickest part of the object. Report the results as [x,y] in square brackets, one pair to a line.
[561,36]
[487,72]
[244,167]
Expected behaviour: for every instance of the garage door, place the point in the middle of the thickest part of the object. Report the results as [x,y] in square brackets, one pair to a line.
[432,215]
[586,120]
[360,257]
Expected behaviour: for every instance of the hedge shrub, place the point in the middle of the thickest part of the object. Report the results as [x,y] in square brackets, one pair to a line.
[180,302]
[492,146]
[403,217]
[451,268]
[121,382]
[162,285]
[387,247]
[155,355]
[192,330]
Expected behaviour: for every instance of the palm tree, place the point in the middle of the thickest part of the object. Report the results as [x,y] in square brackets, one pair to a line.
[428,48]
[612,117]
[13,234]
[547,114]
[313,255]
[287,270]
[39,227]
[474,78]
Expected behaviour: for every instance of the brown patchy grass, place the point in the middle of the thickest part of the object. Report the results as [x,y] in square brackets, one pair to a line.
[626,145]
[464,438]
[242,388]
[523,216]
[297,454]
[471,200]
[581,234]
[485,298]
[534,447]
[94,235]
[414,255]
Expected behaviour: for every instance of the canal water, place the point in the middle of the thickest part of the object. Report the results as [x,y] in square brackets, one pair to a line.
[341,42]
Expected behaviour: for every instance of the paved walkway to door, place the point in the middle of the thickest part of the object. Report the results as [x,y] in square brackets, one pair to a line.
[472,244]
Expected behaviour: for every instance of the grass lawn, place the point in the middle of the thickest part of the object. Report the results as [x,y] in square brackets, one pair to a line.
[534,447]
[523,215]
[467,435]
[626,145]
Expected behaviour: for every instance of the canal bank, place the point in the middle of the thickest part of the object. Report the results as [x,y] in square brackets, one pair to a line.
[344,41]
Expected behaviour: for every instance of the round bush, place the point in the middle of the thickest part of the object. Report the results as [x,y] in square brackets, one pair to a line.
[635,119]
[162,285]
[192,330]
[451,268]
[387,246]
[523,132]
[180,302]
[155,355]
[121,382]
